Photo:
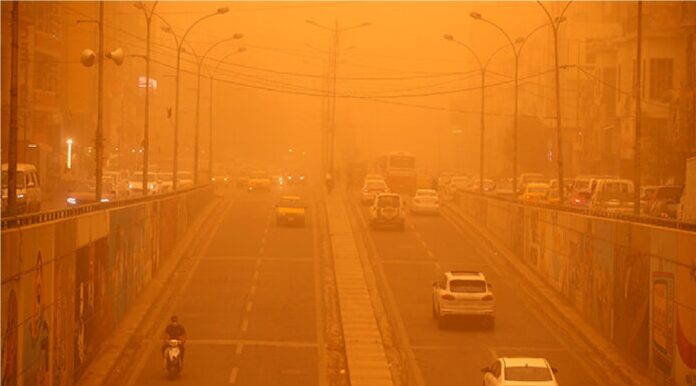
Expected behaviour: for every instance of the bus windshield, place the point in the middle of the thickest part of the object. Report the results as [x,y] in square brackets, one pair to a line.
[404,162]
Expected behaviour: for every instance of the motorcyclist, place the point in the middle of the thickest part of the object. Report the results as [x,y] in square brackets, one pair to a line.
[175,331]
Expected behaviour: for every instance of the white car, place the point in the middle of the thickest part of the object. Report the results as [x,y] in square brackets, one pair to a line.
[387,210]
[463,293]
[371,189]
[520,371]
[425,201]
[135,185]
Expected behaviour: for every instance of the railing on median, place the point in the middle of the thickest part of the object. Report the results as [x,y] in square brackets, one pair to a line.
[51,215]
[656,221]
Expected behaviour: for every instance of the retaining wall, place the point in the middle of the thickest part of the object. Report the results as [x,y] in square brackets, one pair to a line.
[635,283]
[66,284]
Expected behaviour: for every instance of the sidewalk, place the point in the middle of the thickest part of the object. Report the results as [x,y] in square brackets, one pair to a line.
[367,362]
[609,357]
[99,370]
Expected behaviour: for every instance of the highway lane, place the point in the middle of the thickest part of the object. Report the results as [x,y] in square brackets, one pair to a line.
[412,260]
[250,305]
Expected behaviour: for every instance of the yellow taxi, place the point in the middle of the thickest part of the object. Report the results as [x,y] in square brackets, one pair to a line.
[259,181]
[290,211]
[536,191]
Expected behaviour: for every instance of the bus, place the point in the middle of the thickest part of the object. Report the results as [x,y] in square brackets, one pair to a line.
[399,171]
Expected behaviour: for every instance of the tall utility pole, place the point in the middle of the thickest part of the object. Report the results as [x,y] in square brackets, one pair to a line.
[639,113]
[12,143]
[146,128]
[99,138]
[555,24]
[336,32]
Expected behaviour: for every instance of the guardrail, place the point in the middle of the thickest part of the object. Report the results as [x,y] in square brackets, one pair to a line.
[656,221]
[40,217]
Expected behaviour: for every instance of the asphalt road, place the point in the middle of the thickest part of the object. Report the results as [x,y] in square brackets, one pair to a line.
[409,262]
[250,306]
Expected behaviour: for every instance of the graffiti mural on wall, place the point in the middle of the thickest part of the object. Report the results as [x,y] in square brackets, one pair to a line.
[10,340]
[37,335]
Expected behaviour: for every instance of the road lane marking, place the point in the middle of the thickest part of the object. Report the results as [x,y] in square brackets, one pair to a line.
[252,290]
[438,266]
[430,253]
[248,306]
[255,277]
[239,349]
[261,250]
[263,240]
[245,325]
[424,244]
[233,375]
[420,237]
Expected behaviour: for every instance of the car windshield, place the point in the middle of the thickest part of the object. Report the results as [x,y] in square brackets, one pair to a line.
[616,191]
[290,203]
[537,189]
[402,162]
[671,193]
[426,193]
[389,202]
[375,185]
[581,184]
[20,180]
[468,286]
[528,374]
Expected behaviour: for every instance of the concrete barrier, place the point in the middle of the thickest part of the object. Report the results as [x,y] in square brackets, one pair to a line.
[634,283]
[66,284]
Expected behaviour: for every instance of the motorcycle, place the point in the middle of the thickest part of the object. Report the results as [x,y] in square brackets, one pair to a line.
[172,357]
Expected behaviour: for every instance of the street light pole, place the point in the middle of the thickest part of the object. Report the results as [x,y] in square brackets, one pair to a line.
[555,23]
[146,128]
[179,47]
[12,145]
[199,62]
[482,68]
[210,119]
[99,140]
[639,111]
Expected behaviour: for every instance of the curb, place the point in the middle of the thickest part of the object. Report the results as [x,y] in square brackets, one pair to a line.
[108,356]
[627,373]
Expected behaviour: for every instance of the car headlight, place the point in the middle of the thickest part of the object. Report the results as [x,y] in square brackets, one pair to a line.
[72,201]
[20,196]
[130,186]
[301,178]
[104,199]
[213,179]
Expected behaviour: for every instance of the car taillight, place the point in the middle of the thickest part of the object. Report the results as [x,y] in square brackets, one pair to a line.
[447,297]
[365,190]
[487,298]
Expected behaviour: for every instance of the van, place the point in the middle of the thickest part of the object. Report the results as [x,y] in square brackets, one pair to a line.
[612,195]
[28,188]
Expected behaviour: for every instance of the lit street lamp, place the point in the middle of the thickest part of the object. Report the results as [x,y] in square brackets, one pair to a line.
[482,67]
[179,45]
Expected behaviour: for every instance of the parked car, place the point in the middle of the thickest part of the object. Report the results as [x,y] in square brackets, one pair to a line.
[371,189]
[612,195]
[425,201]
[664,201]
[463,293]
[520,371]
[290,211]
[526,178]
[28,188]
[535,191]
[504,188]
[387,210]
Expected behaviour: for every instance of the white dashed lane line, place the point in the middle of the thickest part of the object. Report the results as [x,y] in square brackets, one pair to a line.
[245,325]
[233,375]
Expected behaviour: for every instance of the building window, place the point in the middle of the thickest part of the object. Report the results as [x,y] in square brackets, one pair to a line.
[660,77]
